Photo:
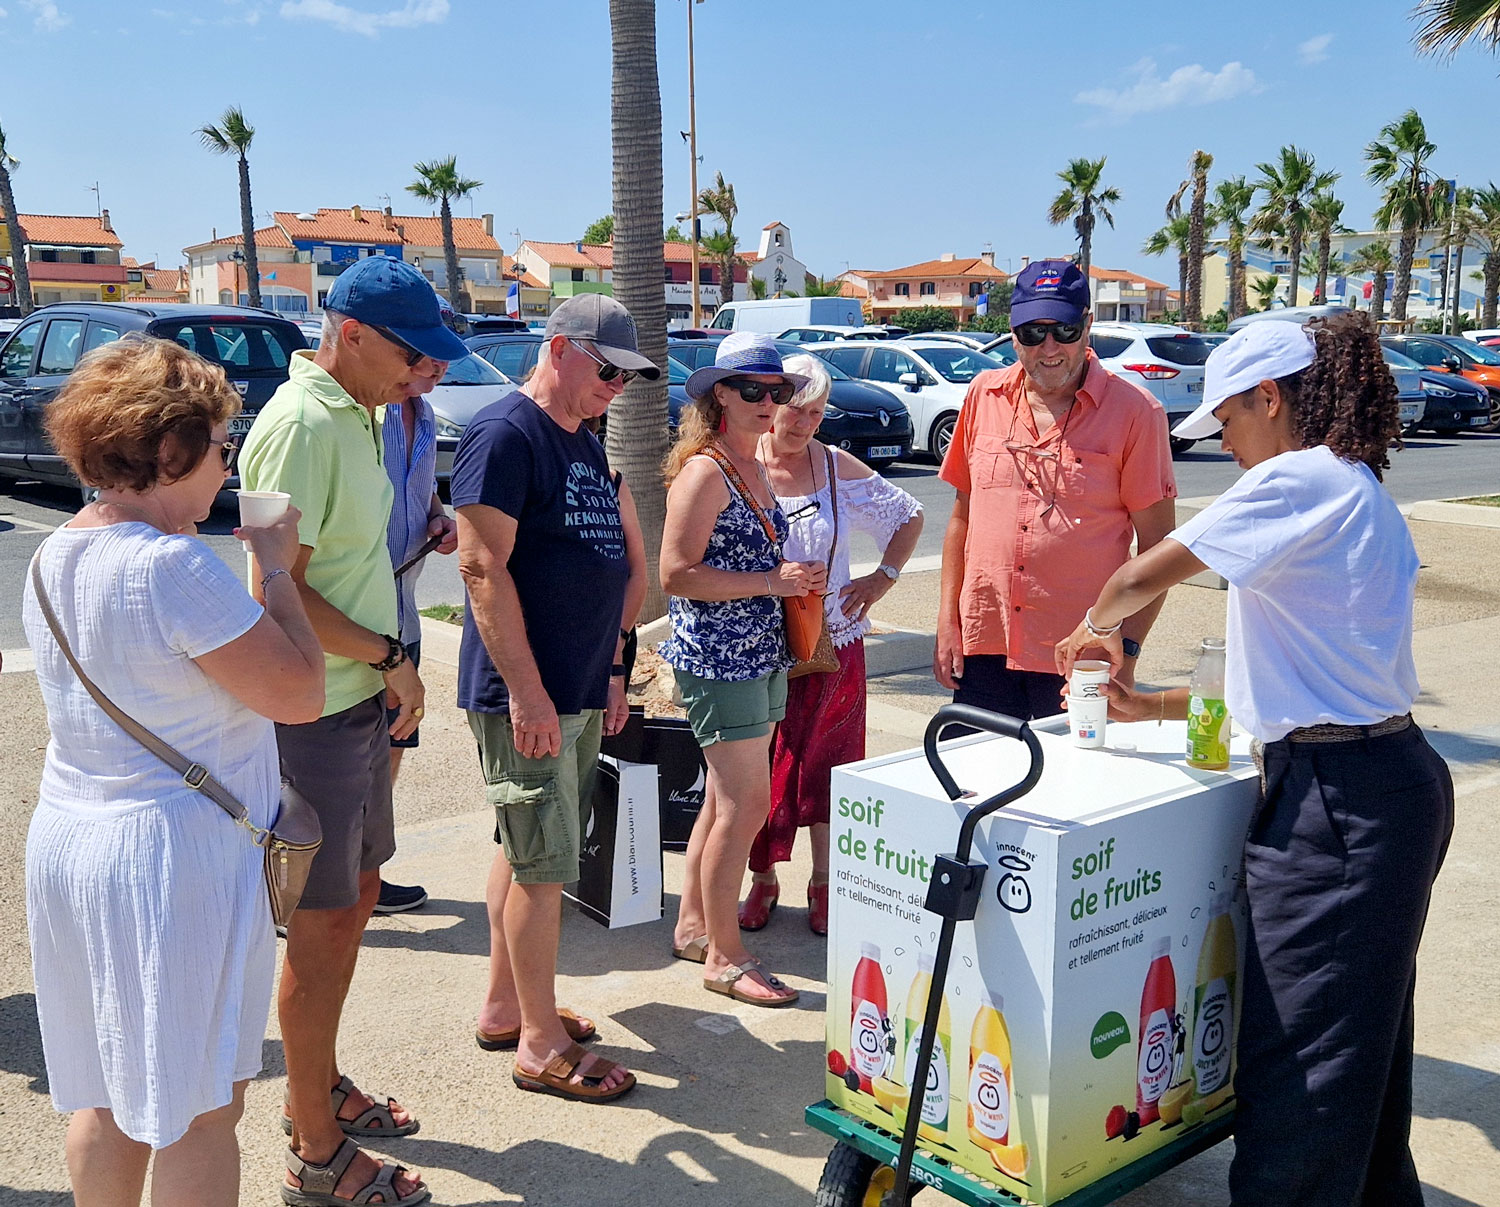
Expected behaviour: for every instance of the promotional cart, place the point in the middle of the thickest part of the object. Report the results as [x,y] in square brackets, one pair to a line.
[1047,939]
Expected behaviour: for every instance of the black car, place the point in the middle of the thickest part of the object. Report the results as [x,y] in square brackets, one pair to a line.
[860,419]
[254,348]
[1452,354]
[1451,404]
[514,353]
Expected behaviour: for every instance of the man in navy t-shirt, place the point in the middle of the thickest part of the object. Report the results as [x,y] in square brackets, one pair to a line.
[542,552]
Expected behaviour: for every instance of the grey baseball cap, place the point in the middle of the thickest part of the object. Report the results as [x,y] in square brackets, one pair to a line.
[607,325]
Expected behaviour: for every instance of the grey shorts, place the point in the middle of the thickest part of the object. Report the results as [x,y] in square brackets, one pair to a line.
[541,805]
[341,766]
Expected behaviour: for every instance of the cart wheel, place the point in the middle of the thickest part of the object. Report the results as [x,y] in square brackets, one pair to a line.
[851,1179]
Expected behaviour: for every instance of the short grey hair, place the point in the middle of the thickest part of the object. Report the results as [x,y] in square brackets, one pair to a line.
[332,321]
[819,382]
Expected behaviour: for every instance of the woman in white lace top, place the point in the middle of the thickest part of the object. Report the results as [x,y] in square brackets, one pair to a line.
[825,713]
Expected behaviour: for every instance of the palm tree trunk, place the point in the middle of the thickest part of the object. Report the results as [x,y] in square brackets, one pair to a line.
[1325,253]
[1238,303]
[1086,239]
[1491,286]
[1457,286]
[1294,251]
[1182,286]
[1194,304]
[17,243]
[456,296]
[1377,297]
[1404,254]
[637,429]
[247,231]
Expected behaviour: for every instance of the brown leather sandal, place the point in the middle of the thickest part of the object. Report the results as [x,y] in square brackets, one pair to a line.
[555,1079]
[375,1122]
[319,1182]
[694,951]
[510,1037]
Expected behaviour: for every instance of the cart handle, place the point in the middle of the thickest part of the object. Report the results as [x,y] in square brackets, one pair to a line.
[990,722]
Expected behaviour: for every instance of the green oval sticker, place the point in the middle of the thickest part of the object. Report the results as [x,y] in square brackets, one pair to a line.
[1110,1032]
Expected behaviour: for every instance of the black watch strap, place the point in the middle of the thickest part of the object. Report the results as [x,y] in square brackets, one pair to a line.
[1132,647]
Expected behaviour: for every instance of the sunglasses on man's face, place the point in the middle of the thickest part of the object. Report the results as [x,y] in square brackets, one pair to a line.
[1033,335]
[607,371]
[753,391]
[413,357]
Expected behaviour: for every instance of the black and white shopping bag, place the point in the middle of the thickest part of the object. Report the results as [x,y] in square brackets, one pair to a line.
[619,881]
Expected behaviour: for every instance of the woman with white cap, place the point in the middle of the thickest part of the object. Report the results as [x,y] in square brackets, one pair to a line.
[722,566]
[1356,807]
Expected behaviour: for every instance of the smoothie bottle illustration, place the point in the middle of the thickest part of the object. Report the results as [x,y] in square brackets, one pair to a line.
[1208,717]
[934,1096]
[1213,1007]
[989,1075]
[869,1019]
[1158,1010]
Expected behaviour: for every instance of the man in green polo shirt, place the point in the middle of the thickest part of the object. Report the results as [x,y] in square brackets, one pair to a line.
[319,440]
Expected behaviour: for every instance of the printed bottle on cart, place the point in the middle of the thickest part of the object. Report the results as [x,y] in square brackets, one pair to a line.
[869,1018]
[935,1104]
[989,1075]
[1213,1007]
[1158,1012]
[1208,716]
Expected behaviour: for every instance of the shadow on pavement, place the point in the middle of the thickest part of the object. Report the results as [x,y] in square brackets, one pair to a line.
[1444,1089]
[34,1198]
[21,1043]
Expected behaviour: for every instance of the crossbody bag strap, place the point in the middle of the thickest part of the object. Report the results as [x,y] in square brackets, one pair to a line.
[194,775]
[738,483]
[833,505]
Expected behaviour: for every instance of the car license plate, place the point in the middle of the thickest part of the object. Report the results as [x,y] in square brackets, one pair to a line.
[240,424]
[885,450]
[1195,387]
[1478,420]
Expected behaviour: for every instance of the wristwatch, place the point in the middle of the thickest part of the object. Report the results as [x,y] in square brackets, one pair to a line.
[1132,647]
[890,571]
[395,655]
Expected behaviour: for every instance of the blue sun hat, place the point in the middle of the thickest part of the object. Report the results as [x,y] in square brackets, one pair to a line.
[738,354]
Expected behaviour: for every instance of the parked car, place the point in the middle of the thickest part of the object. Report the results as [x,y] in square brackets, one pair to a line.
[969,339]
[253,346]
[469,384]
[770,315]
[1488,336]
[1456,355]
[860,419]
[1450,404]
[481,324]
[514,353]
[816,335]
[930,376]
[1409,389]
[1287,314]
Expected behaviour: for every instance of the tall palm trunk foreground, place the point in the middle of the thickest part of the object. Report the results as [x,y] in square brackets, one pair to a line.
[457,294]
[247,233]
[637,431]
[1192,314]
[233,136]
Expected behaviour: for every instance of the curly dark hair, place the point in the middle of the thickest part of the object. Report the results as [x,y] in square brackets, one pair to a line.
[1346,398]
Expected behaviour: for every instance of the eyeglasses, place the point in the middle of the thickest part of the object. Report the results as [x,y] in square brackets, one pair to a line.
[1033,335]
[229,450]
[806,510]
[413,357]
[607,371]
[753,391]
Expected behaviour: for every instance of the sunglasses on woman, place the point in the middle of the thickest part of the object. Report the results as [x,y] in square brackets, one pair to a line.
[753,391]
[229,450]
[607,371]
[1033,335]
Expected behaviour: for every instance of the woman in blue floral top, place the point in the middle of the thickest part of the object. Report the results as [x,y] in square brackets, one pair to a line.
[722,566]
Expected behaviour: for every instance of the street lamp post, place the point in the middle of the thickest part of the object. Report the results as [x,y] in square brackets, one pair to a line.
[239,258]
[693,167]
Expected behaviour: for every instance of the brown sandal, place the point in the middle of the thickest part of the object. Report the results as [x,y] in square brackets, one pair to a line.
[319,1182]
[373,1123]
[695,951]
[726,981]
[555,1079]
[504,1041]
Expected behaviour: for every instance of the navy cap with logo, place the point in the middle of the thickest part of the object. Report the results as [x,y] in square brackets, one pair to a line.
[1049,289]
[385,292]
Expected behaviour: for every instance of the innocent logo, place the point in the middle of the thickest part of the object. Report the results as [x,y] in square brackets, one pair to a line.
[1013,892]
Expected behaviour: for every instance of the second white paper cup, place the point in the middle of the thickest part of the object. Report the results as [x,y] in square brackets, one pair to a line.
[1088,707]
[261,507]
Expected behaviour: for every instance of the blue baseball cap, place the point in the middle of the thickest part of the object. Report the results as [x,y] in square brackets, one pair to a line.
[1049,289]
[385,292]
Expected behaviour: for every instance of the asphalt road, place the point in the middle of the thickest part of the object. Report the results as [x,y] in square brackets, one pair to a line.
[1427,468]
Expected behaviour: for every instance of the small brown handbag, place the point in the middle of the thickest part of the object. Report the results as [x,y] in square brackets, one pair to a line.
[291,841]
[824,659]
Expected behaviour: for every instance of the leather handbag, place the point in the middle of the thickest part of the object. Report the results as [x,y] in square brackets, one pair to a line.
[289,843]
[824,659]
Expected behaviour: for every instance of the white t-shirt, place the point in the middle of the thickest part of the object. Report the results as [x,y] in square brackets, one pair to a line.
[1322,573]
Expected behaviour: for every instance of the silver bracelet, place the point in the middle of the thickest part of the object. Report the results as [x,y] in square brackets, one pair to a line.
[268,577]
[767,577]
[1094,630]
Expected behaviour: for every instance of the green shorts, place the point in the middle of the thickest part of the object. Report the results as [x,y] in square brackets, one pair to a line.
[724,711]
[541,805]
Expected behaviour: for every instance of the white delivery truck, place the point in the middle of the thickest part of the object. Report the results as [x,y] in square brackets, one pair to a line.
[774,315]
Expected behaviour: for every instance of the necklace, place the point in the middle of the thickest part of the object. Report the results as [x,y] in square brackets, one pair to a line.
[154,521]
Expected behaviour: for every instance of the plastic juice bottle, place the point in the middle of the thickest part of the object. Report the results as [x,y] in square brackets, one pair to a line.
[934,1125]
[1208,718]
[989,1075]
[869,1018]
[1158,1008]
[1213,1007]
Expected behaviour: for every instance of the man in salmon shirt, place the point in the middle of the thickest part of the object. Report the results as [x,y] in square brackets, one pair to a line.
[1058,464]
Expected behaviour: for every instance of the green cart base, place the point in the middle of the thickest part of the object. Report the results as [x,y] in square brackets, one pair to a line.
[853,1176]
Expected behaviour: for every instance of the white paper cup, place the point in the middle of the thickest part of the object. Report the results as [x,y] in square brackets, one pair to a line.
[1088,707]
[261,507]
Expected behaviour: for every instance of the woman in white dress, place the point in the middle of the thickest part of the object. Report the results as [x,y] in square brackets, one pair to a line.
[151,937]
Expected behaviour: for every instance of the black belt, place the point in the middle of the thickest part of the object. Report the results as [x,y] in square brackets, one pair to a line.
[1349,733]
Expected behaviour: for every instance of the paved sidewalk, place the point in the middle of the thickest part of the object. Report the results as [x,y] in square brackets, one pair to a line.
[718,1115]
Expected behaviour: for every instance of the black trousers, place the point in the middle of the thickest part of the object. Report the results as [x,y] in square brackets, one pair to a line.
[1026,695]
[1339,865]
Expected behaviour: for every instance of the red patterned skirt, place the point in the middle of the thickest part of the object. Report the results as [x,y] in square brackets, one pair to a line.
[824,726]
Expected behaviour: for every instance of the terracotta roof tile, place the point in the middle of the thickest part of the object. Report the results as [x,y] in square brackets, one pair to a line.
[770,225]
[1120,274]
[340,226]
[568,255]
[964,266]
[67,231]
[166,280]
[265,236]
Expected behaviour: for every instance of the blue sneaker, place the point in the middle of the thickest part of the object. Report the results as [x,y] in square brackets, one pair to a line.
[398,898]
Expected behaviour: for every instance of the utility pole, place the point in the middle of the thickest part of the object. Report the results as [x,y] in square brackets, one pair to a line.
[1448,275]
[693,173]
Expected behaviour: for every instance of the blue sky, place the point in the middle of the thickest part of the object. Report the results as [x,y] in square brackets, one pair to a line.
[882,132]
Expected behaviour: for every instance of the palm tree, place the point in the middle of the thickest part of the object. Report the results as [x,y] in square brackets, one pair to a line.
[1232,201]
[719,201]
[1324,213]
[439,183]
[1197,181]
[1085,201]
[1448,24]
[637,433]
[822,287]
[8,164]
[1375,259]
[1289,185]
[232,136]
[1175,236]
[1454,222]
[1398,160]
[1487,234]
[1265,291]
